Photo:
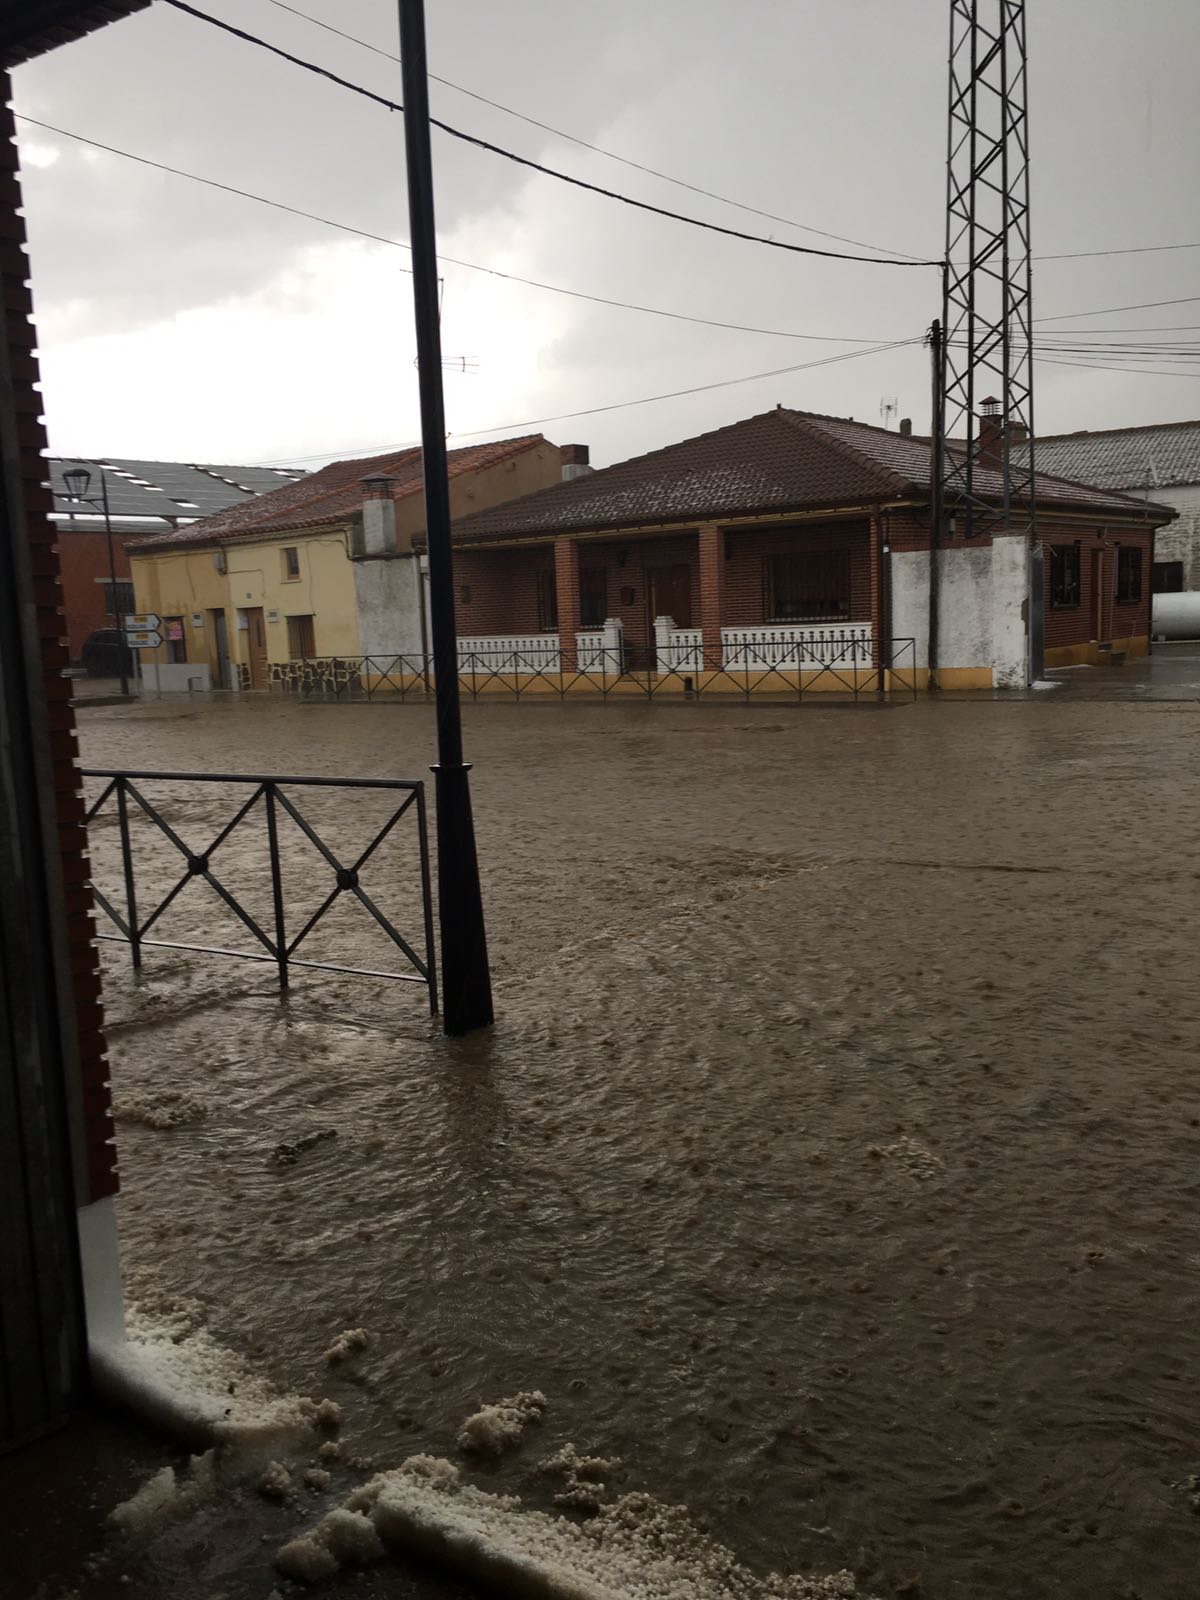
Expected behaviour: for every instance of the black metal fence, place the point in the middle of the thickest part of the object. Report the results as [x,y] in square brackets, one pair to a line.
[268,802]
[752,670]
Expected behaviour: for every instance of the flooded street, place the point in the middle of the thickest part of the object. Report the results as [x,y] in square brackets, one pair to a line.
[834,1161]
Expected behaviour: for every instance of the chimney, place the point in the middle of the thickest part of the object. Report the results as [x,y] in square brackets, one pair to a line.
[378,515]
[1018,433]
[574,459]
[991,430]
[906,427]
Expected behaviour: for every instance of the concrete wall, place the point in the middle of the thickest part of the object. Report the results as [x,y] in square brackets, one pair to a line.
[967,612]
[1010,611]
[388,602]
[1180,541]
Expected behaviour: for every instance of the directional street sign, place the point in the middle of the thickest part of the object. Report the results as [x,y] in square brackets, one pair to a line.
[141,622]
[143,638]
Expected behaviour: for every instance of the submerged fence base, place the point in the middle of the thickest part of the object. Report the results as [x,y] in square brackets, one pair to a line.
[518,675]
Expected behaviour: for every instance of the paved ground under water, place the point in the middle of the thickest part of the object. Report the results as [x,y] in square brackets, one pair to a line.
[835,1159]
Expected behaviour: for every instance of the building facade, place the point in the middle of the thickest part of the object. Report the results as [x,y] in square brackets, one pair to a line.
[1159,462]
[317,570]
[795,548]
[145,498]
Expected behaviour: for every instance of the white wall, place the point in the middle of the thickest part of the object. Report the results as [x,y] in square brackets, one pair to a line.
[387,597]
[1010,611]
[175,677]
[965,611]
[1180,541]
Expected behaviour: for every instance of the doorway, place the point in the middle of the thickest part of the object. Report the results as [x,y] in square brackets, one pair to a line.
[669,594]
[221,635]
[1098,594]
[256,646]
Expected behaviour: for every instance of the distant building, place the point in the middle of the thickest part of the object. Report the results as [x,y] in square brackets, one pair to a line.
[1158,462]
[144,497]
[321,568]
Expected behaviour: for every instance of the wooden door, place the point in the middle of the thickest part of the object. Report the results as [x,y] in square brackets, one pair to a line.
[256,647]
[669,594]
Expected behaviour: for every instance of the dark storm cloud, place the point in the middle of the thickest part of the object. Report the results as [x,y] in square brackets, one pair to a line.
[825,112]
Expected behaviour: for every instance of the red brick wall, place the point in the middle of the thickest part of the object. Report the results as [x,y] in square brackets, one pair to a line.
[82,559]
[1078,624]
[744,586]
[85,977]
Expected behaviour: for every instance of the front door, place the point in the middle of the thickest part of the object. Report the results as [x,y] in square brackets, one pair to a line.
[669,594]
[1098,594]
[221,635]
[256,647]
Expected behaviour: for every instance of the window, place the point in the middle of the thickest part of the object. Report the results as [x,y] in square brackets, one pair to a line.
[464,594]
[547,600]
[809,586]
[125,605]
[291,563]
[1064,576]
[1167,577]
[301,645]
[175,638]
[1129,574]
[593,597]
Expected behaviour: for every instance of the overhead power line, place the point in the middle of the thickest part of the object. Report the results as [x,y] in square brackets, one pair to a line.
[1097,366]
[1103,311]
[537,166]
[585,144]
[682,183]
[472,266]
[622,405]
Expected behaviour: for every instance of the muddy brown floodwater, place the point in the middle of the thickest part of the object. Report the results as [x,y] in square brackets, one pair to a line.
[835,1159]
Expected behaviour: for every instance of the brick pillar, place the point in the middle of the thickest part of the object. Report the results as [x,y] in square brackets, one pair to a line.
[712,577]
[566,584]
[84,1045]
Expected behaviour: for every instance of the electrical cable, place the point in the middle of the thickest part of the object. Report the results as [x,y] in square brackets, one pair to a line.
[537,166]
[638,166]
[611,155]
[1103,311]
[618,405]
[473,266]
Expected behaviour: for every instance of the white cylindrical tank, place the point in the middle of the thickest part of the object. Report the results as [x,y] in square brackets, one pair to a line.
[1176,616]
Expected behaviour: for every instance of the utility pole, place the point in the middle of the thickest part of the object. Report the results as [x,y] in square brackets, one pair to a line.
[118,613]
[466,979]
[937,504]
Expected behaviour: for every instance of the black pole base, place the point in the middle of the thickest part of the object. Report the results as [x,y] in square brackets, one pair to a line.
[466,978]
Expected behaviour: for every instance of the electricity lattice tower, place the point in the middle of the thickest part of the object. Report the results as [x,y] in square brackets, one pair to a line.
[985,387]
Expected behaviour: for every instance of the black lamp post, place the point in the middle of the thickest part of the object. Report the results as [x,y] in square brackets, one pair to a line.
[466,980]
[77,480]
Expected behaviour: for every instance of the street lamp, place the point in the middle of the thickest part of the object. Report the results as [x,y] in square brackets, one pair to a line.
[78,480]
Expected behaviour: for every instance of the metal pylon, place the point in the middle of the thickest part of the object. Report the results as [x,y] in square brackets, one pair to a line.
[987,337]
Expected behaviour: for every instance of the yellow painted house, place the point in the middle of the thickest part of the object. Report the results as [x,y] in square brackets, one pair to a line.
[313,569]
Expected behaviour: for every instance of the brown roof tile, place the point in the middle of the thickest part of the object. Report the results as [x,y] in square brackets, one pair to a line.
[331,495]
[780,461]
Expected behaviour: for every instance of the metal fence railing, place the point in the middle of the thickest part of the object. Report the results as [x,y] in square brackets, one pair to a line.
[158,865]
[826,668]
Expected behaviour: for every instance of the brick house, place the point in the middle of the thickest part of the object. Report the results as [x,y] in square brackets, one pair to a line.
[145,498]
[1159,461]
[791,543]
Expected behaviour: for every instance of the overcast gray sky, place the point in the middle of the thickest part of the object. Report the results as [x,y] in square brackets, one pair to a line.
[179,323]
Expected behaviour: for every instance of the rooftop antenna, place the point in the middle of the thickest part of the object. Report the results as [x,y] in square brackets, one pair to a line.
[888,408]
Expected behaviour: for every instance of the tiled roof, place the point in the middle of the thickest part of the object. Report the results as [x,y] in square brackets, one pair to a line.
[168,490]
[781,461]
[330,495]
[1159,456]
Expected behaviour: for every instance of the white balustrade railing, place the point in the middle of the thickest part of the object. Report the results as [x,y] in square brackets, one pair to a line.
[596,650]
[677,649]
[789,648]
[509,652]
